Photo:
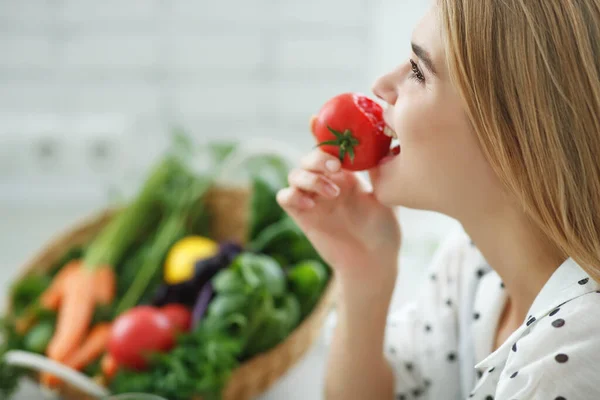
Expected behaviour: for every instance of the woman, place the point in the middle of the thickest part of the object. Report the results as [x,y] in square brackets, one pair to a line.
[498,117]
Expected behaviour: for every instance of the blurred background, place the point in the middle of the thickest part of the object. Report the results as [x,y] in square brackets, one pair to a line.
[89,91]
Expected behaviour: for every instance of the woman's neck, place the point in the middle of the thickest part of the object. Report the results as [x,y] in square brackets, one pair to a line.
[522,255]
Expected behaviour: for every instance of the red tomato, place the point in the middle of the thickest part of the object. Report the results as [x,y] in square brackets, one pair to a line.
[179,316]
[350,126]
[136,333]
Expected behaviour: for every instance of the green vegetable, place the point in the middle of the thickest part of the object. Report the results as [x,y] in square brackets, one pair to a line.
[307,281]
[74,253]
[114,240]
[181,197]
[39,336]
[264,207]
[27,290]
[10,376]
[248,272]
[284,240]
[224,305]
[94,368]
[278,323]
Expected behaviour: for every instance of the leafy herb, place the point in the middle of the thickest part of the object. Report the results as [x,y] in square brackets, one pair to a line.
[27,290]
[38,337]
[284,241]
[10,375]
[264,207]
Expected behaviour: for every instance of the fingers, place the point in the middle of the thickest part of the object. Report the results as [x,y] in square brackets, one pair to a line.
[313,121]
[294,199]
[319,161]
[313,183]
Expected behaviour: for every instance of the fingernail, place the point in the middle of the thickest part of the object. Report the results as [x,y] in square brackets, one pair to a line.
[331,190]
[332,165]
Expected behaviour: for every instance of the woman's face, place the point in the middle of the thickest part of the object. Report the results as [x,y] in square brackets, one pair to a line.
[440,166]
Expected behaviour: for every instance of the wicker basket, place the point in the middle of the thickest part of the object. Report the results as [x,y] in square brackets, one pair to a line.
[228,206]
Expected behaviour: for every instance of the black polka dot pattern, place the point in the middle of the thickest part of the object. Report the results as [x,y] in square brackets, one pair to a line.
[476,316]
[452,357]
[491,370]
[417,392]
[502,285]
[433,277]
[401,396]
[530,321]
[560,398]
[561,358]
[584,281]
[449,303]
[427,328]
[480,273]
[514,347]
[553,313]
[559,323]
[489,397]
[514,375]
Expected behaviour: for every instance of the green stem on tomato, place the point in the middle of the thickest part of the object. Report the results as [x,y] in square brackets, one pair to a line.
[345,141]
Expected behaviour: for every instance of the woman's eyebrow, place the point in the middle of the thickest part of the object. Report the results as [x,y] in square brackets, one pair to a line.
[424,56]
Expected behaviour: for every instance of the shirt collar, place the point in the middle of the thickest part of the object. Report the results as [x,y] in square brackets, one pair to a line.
[568,282]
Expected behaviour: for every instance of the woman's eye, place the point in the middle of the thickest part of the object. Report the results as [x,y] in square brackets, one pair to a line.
[416,72]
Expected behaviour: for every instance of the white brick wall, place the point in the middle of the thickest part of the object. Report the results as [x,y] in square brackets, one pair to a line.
[227,68]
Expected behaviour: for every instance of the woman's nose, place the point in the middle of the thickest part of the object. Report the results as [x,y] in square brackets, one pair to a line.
[383,89]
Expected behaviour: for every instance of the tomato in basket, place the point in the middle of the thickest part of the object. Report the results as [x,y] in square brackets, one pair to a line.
[137,332]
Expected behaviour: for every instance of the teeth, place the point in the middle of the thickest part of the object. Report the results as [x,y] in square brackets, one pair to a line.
[390,132]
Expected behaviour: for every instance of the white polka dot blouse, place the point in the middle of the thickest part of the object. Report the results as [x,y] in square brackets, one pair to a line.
[440,345]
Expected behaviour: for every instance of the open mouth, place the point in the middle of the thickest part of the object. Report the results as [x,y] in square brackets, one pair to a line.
[395,146]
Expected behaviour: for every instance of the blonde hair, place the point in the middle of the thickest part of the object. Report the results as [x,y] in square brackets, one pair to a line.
[529,74]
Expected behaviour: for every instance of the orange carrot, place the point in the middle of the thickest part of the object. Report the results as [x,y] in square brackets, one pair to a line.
[109,366]
[75,314]
[105,285]
[52,296]
[78,289]
[92,348]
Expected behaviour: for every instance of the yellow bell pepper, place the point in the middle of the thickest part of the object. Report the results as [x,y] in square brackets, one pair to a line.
[182,257]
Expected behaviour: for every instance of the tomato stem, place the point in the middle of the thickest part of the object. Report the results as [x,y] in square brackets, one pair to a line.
[345,141]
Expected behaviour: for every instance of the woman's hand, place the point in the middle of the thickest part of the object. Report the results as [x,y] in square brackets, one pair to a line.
[354,233]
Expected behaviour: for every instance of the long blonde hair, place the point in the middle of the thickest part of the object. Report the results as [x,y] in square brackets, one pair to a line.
[529,74]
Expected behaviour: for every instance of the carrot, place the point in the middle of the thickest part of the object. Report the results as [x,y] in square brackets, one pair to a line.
[76,312]
[105,285]
[109,366]
[91,349]
[51,297]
